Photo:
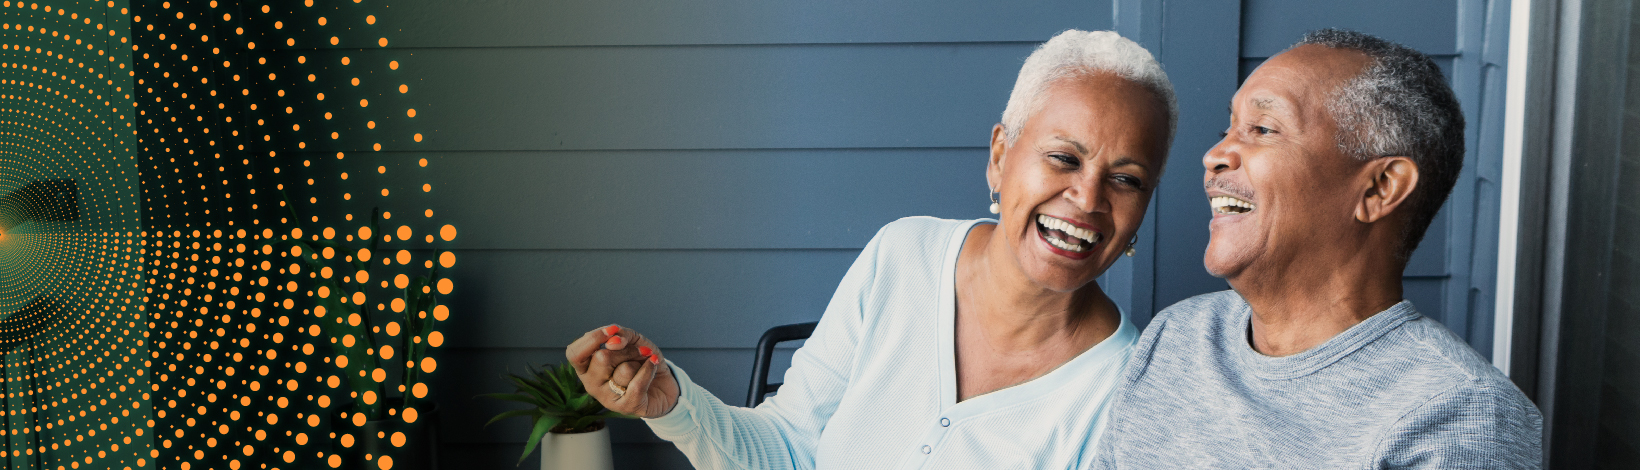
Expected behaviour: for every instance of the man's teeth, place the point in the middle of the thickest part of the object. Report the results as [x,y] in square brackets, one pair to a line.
[1086,236]
[1230,205]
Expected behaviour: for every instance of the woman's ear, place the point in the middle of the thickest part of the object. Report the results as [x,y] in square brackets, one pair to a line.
[999,147]
[1393,180]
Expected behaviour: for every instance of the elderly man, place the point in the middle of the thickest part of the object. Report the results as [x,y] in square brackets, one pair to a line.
[1339,153]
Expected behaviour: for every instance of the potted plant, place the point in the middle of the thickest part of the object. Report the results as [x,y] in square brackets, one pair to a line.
[567,422]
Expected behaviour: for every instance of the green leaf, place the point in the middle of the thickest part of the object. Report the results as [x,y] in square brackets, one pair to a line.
[536,412]
[518,397]
[541,427]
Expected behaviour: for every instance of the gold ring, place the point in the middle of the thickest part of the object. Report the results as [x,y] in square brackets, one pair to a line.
[617,389]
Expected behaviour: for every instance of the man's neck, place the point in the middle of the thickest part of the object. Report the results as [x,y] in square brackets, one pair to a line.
[1303,306]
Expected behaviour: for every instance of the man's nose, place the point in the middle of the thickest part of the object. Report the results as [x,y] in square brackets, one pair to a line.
[1225,156]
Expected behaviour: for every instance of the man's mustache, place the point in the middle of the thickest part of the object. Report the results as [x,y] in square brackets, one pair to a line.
[1229,187]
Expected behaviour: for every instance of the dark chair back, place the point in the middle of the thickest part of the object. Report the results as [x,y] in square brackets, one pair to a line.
[765,350]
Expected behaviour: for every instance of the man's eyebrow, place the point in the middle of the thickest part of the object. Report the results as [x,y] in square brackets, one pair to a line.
[1079,147]
[1264,103]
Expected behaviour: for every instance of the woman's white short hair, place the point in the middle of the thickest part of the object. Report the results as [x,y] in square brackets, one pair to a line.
[1074,53]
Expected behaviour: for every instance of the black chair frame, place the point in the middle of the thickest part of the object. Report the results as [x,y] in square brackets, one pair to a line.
[765,351]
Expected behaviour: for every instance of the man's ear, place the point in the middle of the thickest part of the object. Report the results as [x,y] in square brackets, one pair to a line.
[1393,180]
[999,147]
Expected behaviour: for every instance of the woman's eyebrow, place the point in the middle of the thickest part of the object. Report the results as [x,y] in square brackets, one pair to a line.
[1079,148]
[1129,161]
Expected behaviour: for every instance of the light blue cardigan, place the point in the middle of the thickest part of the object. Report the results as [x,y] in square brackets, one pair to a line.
[875,387]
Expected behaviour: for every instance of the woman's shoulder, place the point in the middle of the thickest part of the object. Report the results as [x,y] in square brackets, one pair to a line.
[924,232]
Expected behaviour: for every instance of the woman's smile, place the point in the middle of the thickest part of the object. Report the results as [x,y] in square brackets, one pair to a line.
[1066,238]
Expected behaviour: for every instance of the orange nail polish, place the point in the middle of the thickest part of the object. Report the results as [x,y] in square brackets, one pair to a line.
[611,330]
[654,359]
[643,350]
[614,341]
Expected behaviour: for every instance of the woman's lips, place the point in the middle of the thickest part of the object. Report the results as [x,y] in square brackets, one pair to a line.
[1065,238]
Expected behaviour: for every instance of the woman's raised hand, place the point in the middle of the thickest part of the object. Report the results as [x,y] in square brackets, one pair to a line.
[624,371]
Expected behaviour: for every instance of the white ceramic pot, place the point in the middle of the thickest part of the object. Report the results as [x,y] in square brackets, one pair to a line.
[582,451]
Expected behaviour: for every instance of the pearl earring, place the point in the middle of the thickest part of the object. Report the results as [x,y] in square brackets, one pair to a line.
[995,209]
[1130,250]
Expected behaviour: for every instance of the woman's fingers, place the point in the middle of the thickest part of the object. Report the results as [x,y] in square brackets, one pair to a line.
[636,399]
[579,353]
[625,372]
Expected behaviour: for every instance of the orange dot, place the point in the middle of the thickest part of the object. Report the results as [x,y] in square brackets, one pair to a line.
[385,462]
[382,42]
[426,188]
[435,339]
[404,232]
[404,88]
[423,161]
[364,234]
[334,40]
[384,191]
[441,313]
[364,103]
[418,139]
[410,414]
[448,232]
[398,439]
[447,259]
[420,390]
[411,112]
[345,61]
[445,286]
[403,258]
[393,65]
[370,19]
[335,461]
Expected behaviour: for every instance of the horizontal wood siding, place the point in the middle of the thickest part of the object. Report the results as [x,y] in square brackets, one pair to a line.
[699,171]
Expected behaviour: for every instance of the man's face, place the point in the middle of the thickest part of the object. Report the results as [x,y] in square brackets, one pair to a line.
[1279,186]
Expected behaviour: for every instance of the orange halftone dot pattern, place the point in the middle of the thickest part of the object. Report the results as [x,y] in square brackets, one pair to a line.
[292,311]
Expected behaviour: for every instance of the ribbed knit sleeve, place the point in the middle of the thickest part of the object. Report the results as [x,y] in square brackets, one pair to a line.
[1475,425]
[783,432]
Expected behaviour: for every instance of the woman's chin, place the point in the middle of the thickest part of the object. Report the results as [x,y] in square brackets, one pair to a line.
[1060,278]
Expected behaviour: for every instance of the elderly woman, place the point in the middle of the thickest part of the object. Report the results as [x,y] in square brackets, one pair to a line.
[955,344]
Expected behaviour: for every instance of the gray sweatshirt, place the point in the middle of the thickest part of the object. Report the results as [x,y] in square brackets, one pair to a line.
[1395,391]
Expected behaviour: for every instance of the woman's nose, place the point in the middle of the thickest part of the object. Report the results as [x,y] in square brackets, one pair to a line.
[1087,195]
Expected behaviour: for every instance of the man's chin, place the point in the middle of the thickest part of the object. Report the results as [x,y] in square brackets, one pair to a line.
[1222,267]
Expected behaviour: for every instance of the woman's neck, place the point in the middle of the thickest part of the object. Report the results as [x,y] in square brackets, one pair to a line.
[1016,314]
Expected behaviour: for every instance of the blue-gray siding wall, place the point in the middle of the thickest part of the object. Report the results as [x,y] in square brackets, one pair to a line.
[704,170]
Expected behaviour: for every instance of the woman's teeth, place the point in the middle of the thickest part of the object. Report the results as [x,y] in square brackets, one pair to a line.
[1230,205]
[1084,238]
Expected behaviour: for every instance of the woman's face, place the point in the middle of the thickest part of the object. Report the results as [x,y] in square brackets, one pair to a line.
[1075,185]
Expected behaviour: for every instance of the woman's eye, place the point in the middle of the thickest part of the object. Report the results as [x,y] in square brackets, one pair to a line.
[1063,159]
[1129,180]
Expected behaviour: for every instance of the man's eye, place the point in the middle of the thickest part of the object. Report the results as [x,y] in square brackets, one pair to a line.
[1261,130]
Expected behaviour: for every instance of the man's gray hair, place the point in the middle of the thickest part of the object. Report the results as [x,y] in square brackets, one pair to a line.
[1074,53]
[1400,105]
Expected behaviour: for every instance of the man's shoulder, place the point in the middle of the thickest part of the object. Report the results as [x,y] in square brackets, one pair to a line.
[1466,410]
[1208,309]
[1454,370]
